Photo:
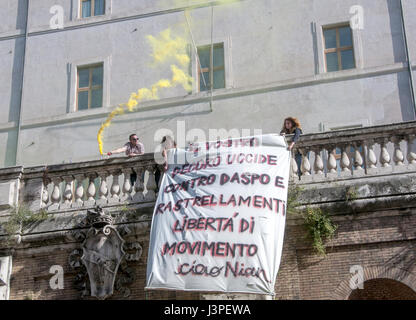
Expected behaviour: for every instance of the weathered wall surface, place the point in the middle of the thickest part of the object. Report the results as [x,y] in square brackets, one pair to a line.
[376,231]
[274,68]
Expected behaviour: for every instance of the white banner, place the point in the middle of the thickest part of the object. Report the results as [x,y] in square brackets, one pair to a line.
[219,219]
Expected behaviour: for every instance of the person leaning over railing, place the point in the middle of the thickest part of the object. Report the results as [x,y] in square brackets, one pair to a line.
[292,126]
[133,148]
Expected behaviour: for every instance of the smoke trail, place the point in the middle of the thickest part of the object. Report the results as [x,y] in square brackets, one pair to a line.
[165,48]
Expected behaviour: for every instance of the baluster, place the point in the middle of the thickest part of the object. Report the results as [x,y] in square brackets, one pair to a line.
[115,187]
[384,154]
[411,156]
[67,196]
[358,160]
[103,190]
[332,161]
[398,156]
[162,173]
[150,184]
[139,185]
[305,166]
[56,194]
[79,191]
[294,167]
[371,156]
[45,194]
[91,190]
[345,161]
[319,164]
[127,188]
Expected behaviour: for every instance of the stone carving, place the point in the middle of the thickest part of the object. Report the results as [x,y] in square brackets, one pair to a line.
[125,278]
[81,278]
[103,262]
[102,253]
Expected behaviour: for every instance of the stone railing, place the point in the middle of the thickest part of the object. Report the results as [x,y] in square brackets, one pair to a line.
[88,184]
[355,153]
[330,156]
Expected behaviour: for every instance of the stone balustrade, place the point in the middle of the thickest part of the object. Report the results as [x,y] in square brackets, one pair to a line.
[326,157]
[87,184]
[355,153]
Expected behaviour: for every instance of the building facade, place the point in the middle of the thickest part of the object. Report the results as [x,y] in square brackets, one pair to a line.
[344,68]
[67,64]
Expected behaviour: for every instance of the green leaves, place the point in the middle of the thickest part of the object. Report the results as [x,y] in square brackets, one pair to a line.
[317,222]
[22,217]
[320,228]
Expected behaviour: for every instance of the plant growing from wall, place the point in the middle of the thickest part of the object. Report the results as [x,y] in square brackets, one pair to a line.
[320,228]
[22,217]
[351,194]
[318,223]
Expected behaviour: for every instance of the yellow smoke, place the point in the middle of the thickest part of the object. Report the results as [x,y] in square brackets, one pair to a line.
[165,48]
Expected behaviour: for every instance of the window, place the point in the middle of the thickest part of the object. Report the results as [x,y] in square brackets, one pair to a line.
[91,8]
[204,74]
[339,51]
[90,87]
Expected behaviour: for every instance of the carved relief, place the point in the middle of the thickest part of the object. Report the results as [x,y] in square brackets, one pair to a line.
[102,264]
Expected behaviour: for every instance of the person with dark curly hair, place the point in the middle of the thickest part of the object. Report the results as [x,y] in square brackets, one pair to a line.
[292,126]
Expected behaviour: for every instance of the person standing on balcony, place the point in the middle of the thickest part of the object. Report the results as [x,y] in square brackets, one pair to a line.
[292,126]
[167,143]
[133,148]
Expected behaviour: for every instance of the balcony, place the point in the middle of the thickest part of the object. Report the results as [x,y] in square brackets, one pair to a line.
[357,153]
[364,178]
[376,162]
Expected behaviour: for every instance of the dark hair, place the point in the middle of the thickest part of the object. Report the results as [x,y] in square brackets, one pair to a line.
[295,124]
[165,138]
[131,136]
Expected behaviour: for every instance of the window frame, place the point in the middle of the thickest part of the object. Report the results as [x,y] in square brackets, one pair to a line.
[92,9]
[200,71]
[338,48]
[90,87]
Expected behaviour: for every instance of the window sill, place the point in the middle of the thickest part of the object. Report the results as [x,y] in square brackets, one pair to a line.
[219,94]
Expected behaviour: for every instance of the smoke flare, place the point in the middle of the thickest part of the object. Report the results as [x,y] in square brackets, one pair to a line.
[165,48]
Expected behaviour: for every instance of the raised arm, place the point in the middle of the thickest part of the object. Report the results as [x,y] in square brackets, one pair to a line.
[295,138]
[119,150]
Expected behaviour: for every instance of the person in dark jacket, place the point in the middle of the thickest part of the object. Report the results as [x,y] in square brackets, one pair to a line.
[167,143]
[292,126]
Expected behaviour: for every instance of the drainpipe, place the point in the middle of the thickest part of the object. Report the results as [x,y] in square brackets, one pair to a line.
[194,44]
[211,80]
[409,62]
[19,118]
